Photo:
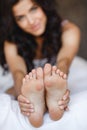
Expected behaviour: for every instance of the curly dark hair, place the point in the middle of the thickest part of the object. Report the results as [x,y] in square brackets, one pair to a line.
[11,32]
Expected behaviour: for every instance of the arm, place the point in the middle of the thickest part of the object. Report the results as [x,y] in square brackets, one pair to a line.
[70,45]
[16,65]
[18,68]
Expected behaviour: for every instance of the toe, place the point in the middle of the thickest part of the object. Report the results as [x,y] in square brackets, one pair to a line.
[57,71]
[54,68]
[30,75]
[47,70]
[39,73]
[34,73]
[26,78]
[65,76]
[61,74]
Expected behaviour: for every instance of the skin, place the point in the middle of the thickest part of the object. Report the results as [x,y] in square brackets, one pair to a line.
[33,87]
[55,86]
[32,19]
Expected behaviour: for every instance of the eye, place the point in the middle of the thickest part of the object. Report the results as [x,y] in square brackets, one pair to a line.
[19,18]
[34,8]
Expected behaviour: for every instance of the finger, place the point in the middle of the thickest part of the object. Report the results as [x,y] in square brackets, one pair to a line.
[27,106]
[23,99]
[27,110]
[62,102]
[25,113]
[62,107]
[66,95]
[66,109]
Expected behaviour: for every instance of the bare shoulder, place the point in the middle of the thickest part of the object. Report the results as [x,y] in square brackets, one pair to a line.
[68,26]
[70,33]
[14,60]
[10,48]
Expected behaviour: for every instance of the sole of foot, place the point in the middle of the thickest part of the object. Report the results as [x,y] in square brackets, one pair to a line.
[56,86]
[33,90]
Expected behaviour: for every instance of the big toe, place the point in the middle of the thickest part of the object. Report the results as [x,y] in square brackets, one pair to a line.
[47,70]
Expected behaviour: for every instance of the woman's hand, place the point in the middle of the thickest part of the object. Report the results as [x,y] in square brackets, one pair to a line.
[25,105]
[63,103]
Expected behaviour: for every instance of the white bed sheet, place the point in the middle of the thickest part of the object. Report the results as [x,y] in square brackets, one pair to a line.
[75,119]
[12,119]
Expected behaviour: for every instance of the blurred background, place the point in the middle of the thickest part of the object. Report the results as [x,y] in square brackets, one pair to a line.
[76,11]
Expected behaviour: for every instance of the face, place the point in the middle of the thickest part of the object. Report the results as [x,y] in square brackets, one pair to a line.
[30,17]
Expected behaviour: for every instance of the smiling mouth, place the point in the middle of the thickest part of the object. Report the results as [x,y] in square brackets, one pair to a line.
[36,27]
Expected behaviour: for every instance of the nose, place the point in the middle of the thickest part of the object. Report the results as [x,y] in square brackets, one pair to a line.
[30,19]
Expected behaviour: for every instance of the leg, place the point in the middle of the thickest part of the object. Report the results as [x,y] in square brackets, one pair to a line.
[55,88]
[33,89]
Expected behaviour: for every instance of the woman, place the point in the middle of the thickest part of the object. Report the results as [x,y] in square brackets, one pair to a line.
[36,36]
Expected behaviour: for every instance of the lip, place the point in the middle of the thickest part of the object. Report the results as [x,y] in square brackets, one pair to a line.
[35,27]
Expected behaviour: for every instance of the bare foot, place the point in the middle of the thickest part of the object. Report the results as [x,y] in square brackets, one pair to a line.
[33,89]
[55,84]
